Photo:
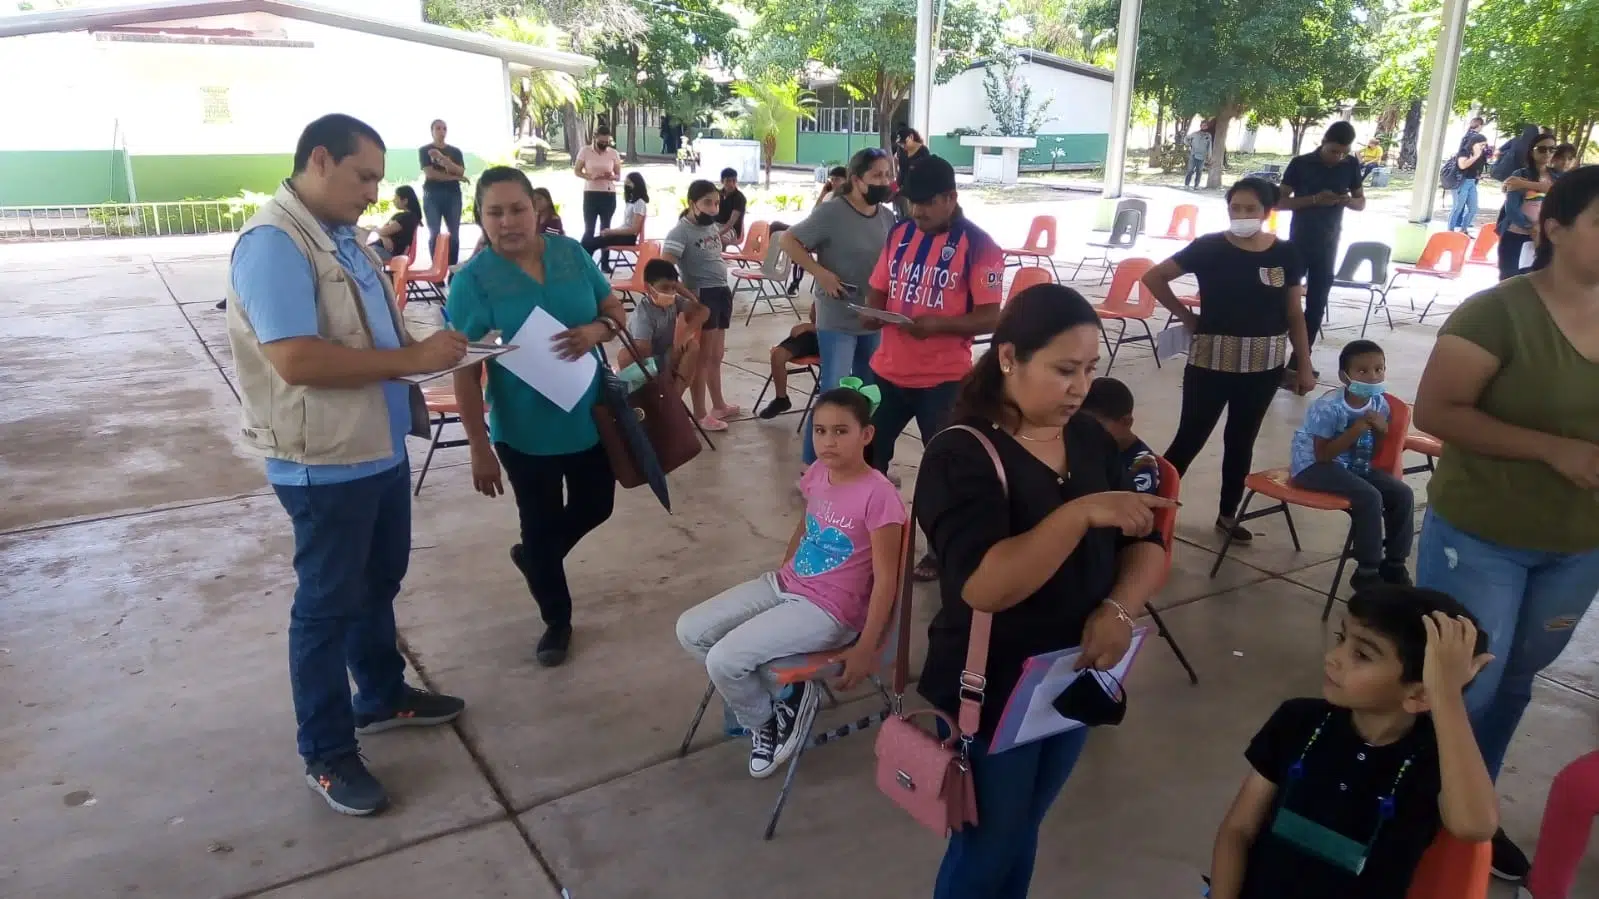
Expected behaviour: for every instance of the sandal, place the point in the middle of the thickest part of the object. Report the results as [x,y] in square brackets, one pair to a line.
[925,570]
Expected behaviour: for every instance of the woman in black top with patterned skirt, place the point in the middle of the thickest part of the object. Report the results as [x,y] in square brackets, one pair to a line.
[1251,296]
[1062,554]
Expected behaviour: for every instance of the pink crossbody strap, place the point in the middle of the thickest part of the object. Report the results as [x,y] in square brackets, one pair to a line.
[973,683]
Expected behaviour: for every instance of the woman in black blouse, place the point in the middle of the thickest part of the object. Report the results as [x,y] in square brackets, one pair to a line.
[1251,310]
[1062,556]
[397,234]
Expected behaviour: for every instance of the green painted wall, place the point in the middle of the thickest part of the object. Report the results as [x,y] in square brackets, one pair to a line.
[161,179]
[787,139]
[814,148]
[1080,149]
[649,139]
[62,177]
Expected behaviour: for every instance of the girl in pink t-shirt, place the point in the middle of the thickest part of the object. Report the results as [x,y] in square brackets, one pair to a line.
[834,591]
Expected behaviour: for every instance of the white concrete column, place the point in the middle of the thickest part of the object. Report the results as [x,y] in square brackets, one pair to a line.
[922,89]
[1435,117]
[1121,95]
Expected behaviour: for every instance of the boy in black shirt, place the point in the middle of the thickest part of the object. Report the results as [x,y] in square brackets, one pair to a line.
[1349,790]
[1111,404]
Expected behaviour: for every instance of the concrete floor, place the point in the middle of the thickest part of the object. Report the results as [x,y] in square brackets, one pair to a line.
[146,733]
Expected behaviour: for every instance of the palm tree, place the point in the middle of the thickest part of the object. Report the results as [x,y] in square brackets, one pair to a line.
[536,93]
[772,104]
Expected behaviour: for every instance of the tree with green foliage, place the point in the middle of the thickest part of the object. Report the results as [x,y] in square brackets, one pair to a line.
[1406,39]
[870,44]
[537,96]
[1010,98]
[1227,57]
[1534,61]
[771,105]
[1056,26]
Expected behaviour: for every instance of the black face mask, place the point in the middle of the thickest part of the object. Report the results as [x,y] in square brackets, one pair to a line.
[703,218]
[876,193]
[1095,698]
[602,147]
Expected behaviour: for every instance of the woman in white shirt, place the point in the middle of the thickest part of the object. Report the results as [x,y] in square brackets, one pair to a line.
[637,199]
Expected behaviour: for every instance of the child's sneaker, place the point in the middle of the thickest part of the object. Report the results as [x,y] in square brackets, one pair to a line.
[1366,578]
[1394,571]
[775,408]
[1509,862]
[793,715]
[763,747]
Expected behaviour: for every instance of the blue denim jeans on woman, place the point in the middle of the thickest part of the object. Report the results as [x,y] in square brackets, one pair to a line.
[1015,789]
[352,545]
[1528,601]
[1464,214]
[842,355]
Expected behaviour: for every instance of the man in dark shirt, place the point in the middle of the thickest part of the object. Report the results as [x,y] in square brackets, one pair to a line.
[1472,158]
[730,212]
[443,170]
[1317,187]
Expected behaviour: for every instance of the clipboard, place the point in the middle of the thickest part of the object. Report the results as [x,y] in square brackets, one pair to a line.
[475,353]
[1030,715]
[882,315]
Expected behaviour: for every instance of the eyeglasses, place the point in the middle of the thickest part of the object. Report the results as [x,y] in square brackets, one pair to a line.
[1543,149]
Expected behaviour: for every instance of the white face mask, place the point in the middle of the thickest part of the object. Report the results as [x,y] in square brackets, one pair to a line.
[1244,227]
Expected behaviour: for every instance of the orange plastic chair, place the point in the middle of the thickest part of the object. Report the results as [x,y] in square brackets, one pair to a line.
[633,287]
[820,667]
[1487,240]
[754,250]
[628,254]
[1274,484]
[1452,869]
[1040,245]
[1426,445]
[1171,488]
[1119,306]
[399,268]
[1184,223]
[1028,276]
[430,281]
[443,409]
[1443,258]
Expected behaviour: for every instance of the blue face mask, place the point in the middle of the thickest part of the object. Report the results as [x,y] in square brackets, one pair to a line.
[1363,389]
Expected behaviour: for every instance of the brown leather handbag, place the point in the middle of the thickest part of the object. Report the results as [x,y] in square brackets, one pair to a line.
[661,434]
[931,779]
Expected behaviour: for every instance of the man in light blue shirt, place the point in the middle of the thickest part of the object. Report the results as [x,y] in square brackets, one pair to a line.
[313,332]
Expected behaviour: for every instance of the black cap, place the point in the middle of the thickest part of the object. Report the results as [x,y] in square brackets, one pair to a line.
[927,179]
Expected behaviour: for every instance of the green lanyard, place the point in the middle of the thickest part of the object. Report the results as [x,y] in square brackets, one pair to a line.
[1318,839]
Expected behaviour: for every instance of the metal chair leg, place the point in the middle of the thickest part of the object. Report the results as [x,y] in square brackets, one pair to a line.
[788,779]
[1338,575]
[438,431]
[1227,543]
[1160,626]
[816,390]
[1150,336]
[1292,532]
[694,726]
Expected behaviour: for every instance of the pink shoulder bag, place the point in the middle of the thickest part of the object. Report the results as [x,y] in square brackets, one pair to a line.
[928,778]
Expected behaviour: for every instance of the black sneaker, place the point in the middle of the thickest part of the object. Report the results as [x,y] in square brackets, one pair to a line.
[347,786]
[1394,571]
[775,408]
[1509,862]
[1238,532]
[553,645]
[793,717]
[222,303]
[416,708]
[763,744]
[1365,579]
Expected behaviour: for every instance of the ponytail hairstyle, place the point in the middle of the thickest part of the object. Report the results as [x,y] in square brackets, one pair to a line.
[1031,320]
[1573,193]
[859,165]
[499,174]
[697,191]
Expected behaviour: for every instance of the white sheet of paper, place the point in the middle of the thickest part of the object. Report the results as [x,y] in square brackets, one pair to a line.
[534,361]
[1042,720]
[1529,252]
[475,353]
[1173,341]
[882,315]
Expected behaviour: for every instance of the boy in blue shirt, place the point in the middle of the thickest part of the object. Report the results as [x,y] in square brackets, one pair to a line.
[1332,453]
[1110,402]
[1347,790]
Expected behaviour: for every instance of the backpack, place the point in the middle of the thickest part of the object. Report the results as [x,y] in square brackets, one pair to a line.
[1450,176]
[1505,162]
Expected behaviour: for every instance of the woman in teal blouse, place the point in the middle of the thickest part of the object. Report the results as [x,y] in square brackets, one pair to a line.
[541,447]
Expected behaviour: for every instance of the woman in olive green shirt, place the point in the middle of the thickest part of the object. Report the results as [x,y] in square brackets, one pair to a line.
[1512,528]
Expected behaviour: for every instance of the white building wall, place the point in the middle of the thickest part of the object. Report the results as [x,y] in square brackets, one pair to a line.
[1078,104]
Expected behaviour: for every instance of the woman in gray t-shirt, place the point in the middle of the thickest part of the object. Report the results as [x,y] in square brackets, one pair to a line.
[695,245]
[838,243]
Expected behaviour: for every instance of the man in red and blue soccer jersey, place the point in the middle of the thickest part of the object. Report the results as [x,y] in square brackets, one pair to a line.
[945,274]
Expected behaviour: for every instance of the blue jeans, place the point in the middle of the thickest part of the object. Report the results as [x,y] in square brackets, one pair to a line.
[1015,789]
[352,544]
[443,206]
[1528,601]
[1465,211]
[842,355]
[930,406]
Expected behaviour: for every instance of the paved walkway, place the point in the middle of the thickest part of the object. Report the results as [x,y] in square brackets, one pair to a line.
[146,734]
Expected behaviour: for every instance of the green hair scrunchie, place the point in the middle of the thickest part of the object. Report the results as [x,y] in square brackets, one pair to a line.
[872,392]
